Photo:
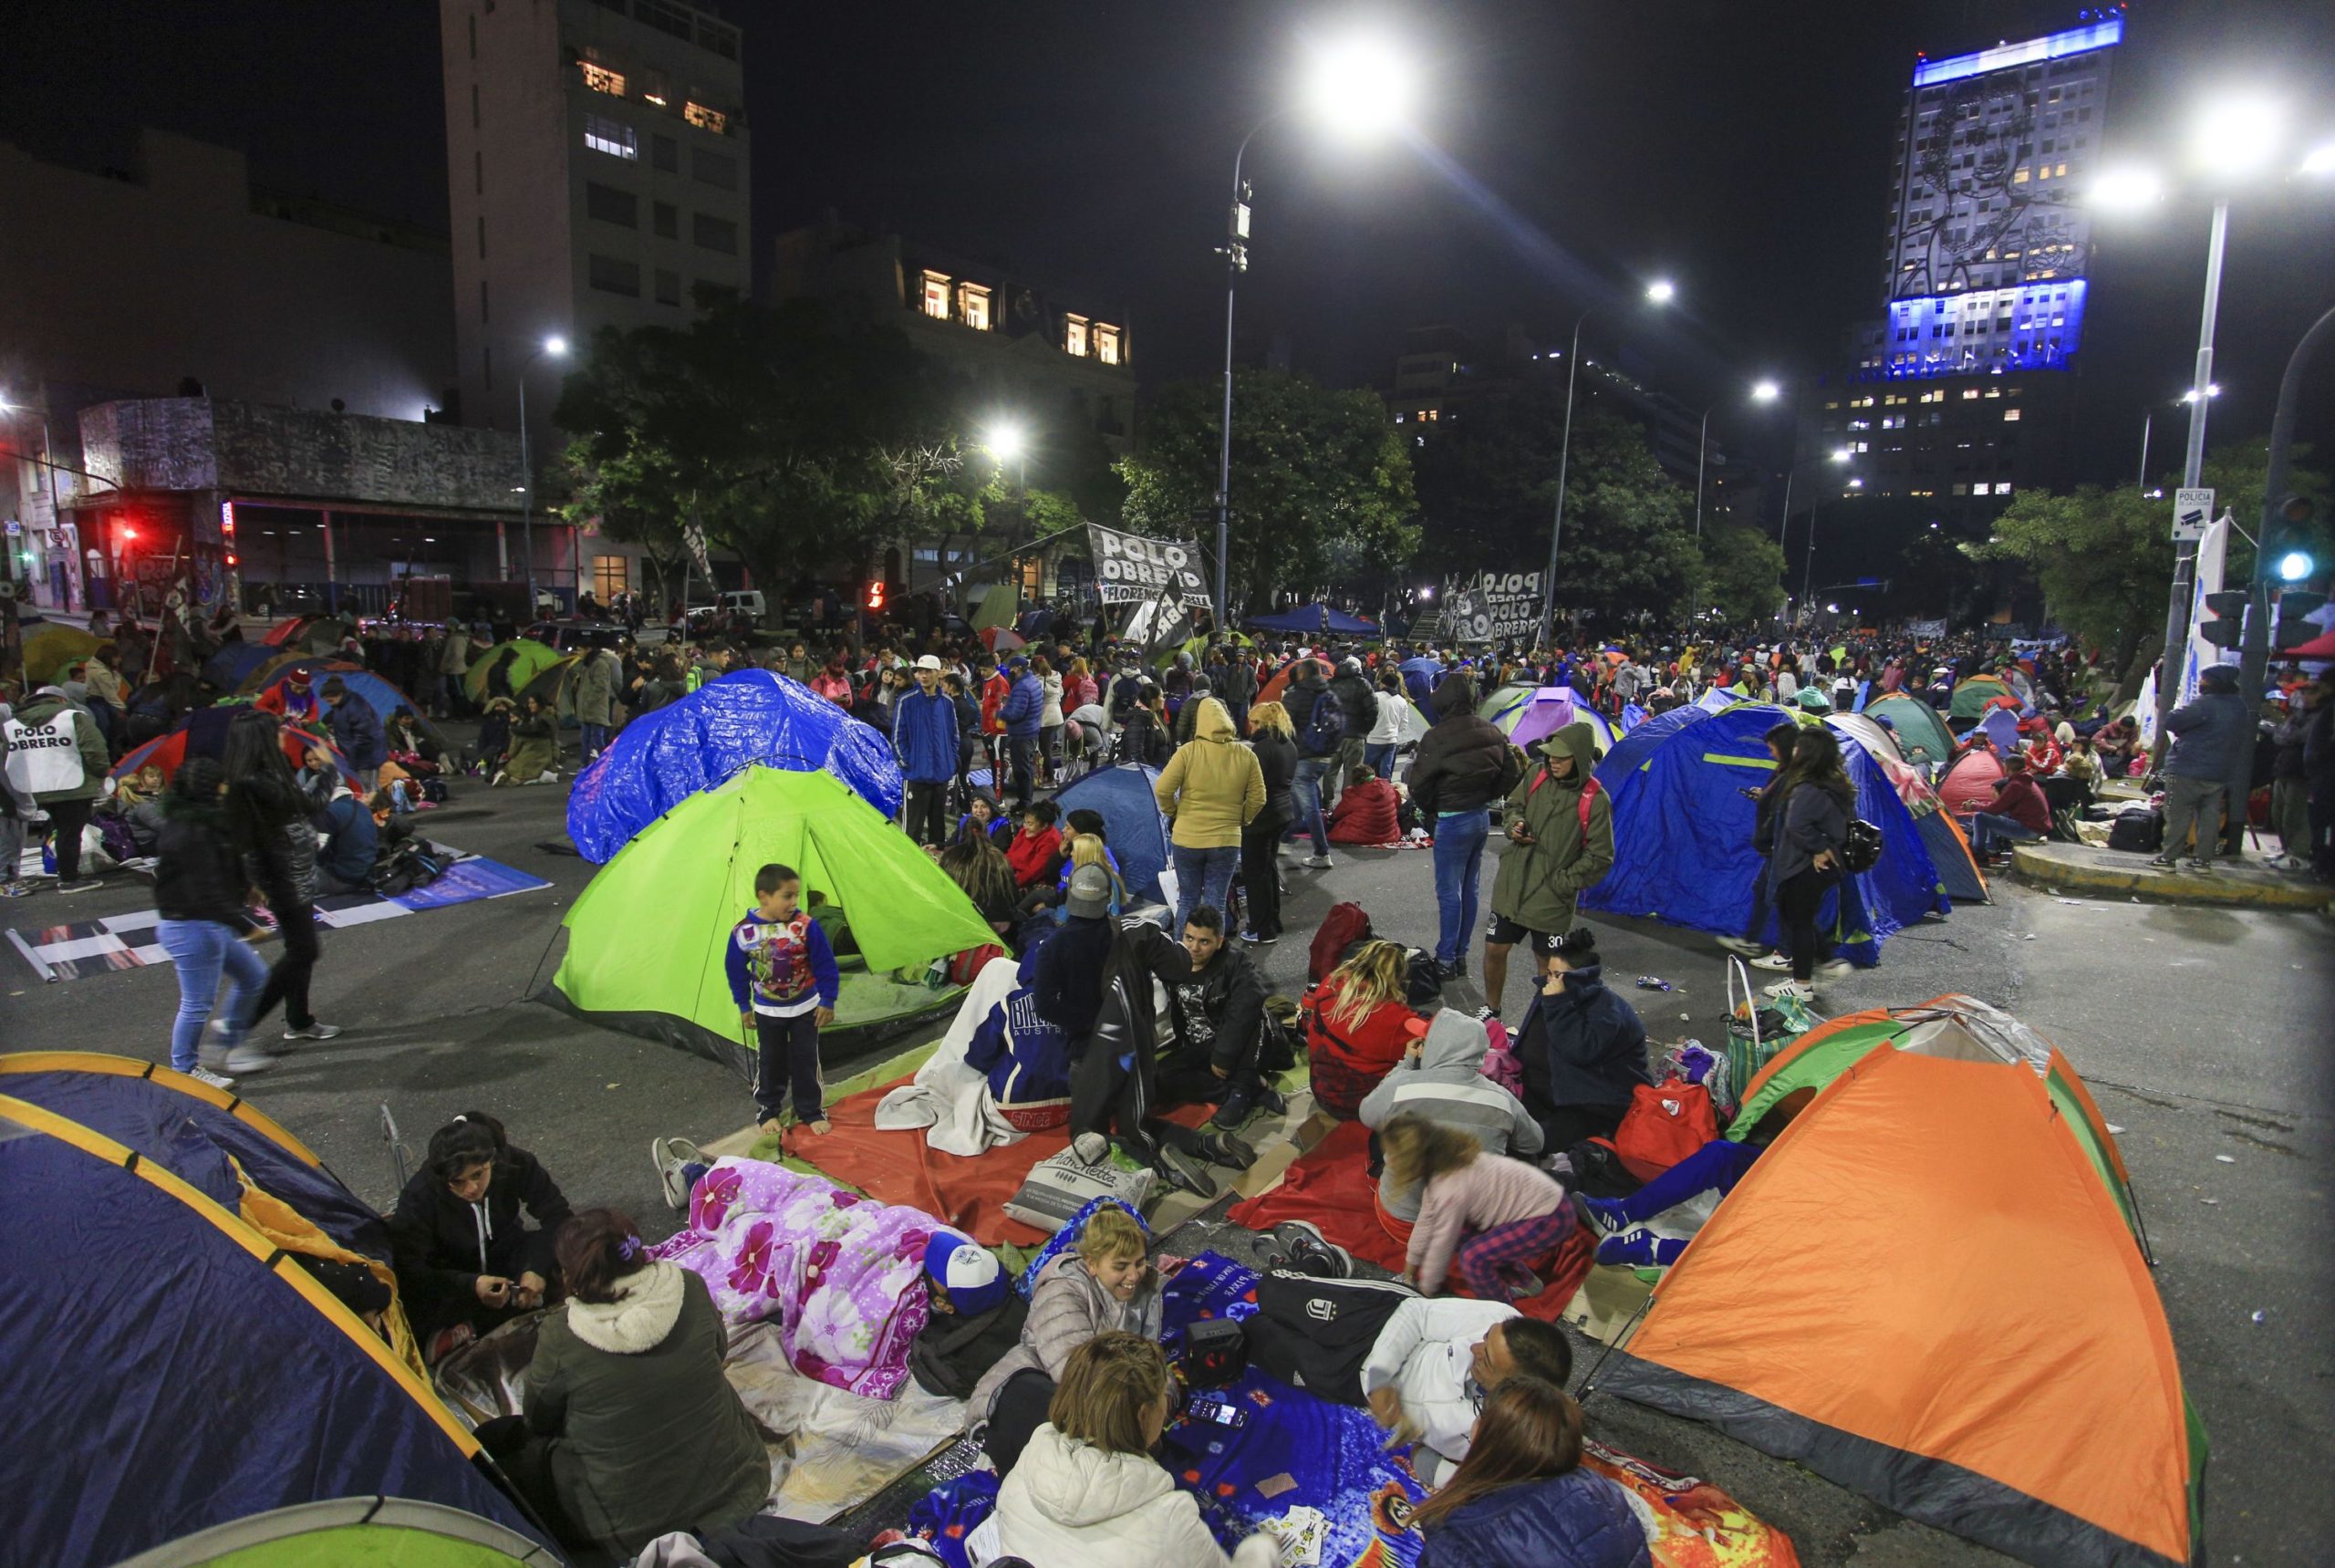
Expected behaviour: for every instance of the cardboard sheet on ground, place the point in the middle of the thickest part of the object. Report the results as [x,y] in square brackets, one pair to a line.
[899,1167]
[1330,1186]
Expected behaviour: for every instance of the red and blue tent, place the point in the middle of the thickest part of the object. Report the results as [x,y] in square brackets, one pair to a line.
[204,733]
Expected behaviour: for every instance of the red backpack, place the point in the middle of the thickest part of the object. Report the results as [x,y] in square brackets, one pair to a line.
[1665,1124]
[1343,926]
[1590,789]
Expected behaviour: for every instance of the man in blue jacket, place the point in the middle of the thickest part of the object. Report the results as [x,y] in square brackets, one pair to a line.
[924,738]
[356,731]
[2207,736]
[1025,705]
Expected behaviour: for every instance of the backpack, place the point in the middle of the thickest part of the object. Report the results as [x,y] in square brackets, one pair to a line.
[1343,926]
[1324,728]
[952,1353]
[403,868]
[1590,790]
[1425,986]
[1665,1124]
[2138,830]
[1861,851]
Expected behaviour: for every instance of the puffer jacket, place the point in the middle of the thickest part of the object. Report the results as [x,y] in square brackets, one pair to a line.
[1463,763]
[1212,787]
[1585,1047]
[280,847]
[1068,1306]
[1359,702]
[1277,761]
[1025,706]
[1069,1502]
[1580,1519]
[1540,882]
[1445,1083]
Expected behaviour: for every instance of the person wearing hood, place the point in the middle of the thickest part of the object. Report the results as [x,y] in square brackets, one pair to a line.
[465,1263]
[1212,789]
[1441,1079]
[1559,841]
[1305,691]
[58,755]
[205,928]
[2208,737]
[1087,1488]
[599,676]
[1462,765]
[1581,1048]
[1019,714]
[630,1429]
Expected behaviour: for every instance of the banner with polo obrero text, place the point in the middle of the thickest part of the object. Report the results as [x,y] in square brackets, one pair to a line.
[1131,567]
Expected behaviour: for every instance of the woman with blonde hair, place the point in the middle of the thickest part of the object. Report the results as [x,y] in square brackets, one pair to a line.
[1521,1495]
[1274,740]
[1358,1024]
[1087,1488]
[1484,1217]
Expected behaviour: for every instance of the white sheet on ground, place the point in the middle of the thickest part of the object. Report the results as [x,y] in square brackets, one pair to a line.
[948,1097]
[841,1450]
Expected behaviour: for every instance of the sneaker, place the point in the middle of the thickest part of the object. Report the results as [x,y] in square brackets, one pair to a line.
[1255,939]
[1184,1171]
[1833,969]
[1743,946]
[205,1075]
[499,776]
[1235,1111]
[1223,1149]
[1092,1147]
[248,1059]
[1318,862]
[669,1156]
[318,1031]
[80,885]
[2162,863]
[1771,961]
[548,777]
[1640,1249]
[2195,864]
[1270,1102]
[1323,1260]
[1488,1014]
[1798,990]
[1604,1215]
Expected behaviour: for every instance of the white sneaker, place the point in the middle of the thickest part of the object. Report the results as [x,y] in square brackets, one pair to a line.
[548,777]
[314,1031]
[205,1075]
[1092,1147]
[1833,969]
[1773,960]
[248,1059]
[1743,947]
[1319,862]
[1798,989]
[499,776]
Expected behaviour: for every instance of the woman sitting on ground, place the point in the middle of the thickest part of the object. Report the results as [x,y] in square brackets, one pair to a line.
[976,864]
[1035,847]
[464,1261]
[1369,812]
[630,1429]
[1357,1025]
[1086,1489]
[1582,1047]
[1104,1282]
[534,746]
[1485,1218]
[1521,1496]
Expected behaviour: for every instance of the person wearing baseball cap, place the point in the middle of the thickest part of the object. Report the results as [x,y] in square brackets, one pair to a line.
[1560,841]
[924,739]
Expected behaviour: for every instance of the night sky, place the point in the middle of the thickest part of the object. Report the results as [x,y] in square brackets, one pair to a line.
[1563,150]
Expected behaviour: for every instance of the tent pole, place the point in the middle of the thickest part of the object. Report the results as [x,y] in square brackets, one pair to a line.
[1589,1384]
[2132,1195]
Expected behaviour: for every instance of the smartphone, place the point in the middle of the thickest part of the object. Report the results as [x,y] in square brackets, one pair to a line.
[1222,1412]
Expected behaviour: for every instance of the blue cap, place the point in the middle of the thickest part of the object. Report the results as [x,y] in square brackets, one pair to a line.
[970,1273]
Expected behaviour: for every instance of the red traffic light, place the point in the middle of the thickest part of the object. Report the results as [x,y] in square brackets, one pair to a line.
[876,595]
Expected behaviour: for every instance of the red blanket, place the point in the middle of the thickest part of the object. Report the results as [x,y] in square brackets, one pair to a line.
[966,1192]
[1330,1187]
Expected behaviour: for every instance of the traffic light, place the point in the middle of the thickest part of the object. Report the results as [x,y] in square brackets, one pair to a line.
[2294,629]
[875,594]
[2228,625]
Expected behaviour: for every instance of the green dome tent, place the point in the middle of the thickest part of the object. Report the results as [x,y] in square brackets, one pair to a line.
[648,940]
[533,659]
[376,1532]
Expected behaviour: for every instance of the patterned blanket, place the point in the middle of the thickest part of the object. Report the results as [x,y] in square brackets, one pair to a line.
[840,1275]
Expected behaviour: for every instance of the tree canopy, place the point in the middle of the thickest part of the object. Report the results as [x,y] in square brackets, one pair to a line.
[1320,481]
[1742,575]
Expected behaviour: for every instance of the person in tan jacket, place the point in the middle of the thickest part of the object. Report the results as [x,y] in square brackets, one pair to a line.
[1212,789]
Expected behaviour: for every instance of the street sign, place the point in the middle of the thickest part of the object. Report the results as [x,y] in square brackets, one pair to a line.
[2192,509]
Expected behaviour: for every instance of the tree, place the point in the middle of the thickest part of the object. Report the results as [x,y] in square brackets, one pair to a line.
[1742,577]
[793,436]
[1320,480]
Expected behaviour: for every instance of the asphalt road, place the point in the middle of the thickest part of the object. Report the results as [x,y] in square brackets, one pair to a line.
[2203,1035]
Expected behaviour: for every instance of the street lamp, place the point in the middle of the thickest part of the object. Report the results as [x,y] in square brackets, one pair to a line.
[554,348]
[1808,572]
[2148,416]
[1661,291]
[1007,443]
[1360,86]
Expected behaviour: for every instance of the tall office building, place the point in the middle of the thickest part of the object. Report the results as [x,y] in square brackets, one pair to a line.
[597,162]
[1960,391]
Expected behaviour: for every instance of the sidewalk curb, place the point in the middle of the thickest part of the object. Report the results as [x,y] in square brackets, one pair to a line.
[2051,867]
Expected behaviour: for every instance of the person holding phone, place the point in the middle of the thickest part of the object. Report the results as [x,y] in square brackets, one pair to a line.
[465,1260]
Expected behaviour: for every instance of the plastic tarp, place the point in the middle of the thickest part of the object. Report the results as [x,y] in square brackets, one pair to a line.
[664,756]
[1922,736]
[1132,825]
[1419,676]
[648,940]
[533,658]
[50,646]
[135,1297]
[1315,618]
[204,733]
[1681,833]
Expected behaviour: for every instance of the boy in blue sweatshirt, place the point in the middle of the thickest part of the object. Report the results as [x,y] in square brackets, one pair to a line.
[784,978]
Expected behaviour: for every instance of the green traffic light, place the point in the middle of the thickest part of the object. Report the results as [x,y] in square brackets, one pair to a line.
[2295,565]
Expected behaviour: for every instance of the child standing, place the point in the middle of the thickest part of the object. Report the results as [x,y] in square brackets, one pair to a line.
[783,977]
[1485,1217]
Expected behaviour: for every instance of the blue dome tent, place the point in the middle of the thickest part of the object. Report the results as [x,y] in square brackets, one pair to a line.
[1132,822]
[663,757]
[1681,832]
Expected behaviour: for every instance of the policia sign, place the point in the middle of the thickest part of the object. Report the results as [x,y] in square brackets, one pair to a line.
[1132,567]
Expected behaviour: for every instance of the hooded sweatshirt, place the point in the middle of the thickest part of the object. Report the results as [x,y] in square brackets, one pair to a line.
[1464,763]
[1445,1084]
[1212,786]
[1540,882]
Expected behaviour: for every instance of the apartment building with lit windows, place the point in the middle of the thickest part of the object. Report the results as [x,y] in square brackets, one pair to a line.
[1961,392]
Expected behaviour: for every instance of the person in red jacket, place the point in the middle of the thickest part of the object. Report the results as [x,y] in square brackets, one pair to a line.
[994,688]
[1368,812]
[1034,847]
[1358,1024]
[2021,813]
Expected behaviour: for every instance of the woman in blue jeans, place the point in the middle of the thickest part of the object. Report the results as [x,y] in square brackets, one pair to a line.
[198,889]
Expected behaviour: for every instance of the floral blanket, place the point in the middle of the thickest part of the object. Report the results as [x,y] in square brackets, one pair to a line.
[840,1275]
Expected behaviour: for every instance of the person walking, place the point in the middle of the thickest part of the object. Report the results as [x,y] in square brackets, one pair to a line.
[268,818]
[1050,720]
[58,755]
[1560,841]
[2208,735]
[1819,801]
[924,738]
[1268,737]
[1212,789]
[203,926]
[356,731]
[1462,765]
[1319,732]
[454,661]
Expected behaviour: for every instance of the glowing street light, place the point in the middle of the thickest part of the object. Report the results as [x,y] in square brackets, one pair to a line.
[2319,159]
[552,347]
[1008,442]
[1765,392]
[2236,136]
[2127,188]
[1359,86]
[2212,390]
[556,346]
[1661,291]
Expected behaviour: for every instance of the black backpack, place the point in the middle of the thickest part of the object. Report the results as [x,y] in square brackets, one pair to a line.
[403,868]
[1324,728]
[1861,851]
[949,1356]
[2138,830]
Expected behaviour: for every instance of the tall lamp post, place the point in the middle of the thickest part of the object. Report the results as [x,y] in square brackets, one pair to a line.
[554,348]
[1661,291]
[2148,418]
[1808,569]
[1363,89]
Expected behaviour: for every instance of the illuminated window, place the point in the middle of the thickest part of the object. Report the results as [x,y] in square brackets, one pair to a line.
[2011,416]
[1968,393]
[2020,178]
[936,295]
[705,119]
[1981,488]
[600,79]
[610,576]
[2004,488]
[613,137]
[972,306]
[1106,346]
[1073,336]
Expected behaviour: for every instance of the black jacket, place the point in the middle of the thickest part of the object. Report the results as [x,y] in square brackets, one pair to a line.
[1277,759]
[1144,738]
[197,874]
[1463,763]
[1235,680]
[1128,1026]
[1066,976]
[1582,1047]
[1229,999]
[1298,697]
[1359,702]
[442,1244]
[278,845]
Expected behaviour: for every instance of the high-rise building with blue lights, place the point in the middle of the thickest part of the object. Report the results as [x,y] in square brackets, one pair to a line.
[1959,391]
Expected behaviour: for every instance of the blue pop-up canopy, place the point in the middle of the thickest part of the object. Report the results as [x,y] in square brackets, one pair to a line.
[1315,618]
[748,716]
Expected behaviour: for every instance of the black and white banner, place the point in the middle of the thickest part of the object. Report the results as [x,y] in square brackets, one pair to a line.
[1493,608]
[1129,567]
